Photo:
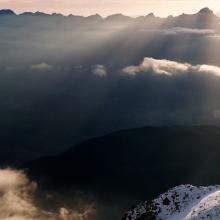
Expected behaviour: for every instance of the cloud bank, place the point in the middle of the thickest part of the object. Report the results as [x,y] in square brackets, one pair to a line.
[17,201]
[178,31]
[99,70]
[169,68]
[181,30]
[41,66]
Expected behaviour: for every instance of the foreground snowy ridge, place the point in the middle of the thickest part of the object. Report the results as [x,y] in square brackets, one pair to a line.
[184,202]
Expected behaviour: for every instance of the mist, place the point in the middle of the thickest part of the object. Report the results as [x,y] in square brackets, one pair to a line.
[66,79]
[18,200]
[60,74]
[24,199]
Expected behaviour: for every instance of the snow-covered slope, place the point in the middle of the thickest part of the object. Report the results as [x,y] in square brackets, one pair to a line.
[184,202]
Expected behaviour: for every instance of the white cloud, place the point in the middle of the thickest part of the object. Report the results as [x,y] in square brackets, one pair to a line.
[99,70]
[17,200]
[166,67]
[169,68]
[182,31]
[214,37]
[215,70]
[40,66]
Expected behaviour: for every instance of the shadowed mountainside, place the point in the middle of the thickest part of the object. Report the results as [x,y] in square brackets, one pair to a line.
[136,160]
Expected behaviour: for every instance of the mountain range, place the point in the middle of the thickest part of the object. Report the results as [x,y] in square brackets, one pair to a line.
[204,19]
[203,13]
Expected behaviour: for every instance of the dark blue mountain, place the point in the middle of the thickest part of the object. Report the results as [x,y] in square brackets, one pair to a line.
[6,12]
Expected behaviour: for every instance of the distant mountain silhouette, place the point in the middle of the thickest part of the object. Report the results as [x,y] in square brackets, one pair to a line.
[6,12]
[38,13]
[207,14]
[205,18]
[57,14]
[206,11]
[150,15]
[95,17]
[75,17]
[27,13]
[118,18]
[155,158]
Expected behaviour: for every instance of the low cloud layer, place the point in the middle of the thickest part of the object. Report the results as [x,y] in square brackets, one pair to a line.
[41,66]
[181,31]
[170,68]
[17,200]
[99,70]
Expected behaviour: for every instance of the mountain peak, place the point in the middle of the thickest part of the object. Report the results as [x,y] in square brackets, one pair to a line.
[38,13]
[184,202]
[118,17]
[150,15]
[206,11]
[94,17]
[6,12]
[57,14]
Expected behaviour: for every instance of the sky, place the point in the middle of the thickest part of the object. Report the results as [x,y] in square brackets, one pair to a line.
[106,7]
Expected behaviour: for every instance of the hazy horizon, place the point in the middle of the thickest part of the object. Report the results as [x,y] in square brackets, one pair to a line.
[161,8]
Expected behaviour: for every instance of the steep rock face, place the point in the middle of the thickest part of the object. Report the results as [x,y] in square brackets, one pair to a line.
[184,202]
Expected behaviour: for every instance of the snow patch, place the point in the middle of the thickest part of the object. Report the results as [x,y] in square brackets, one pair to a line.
[184,202]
